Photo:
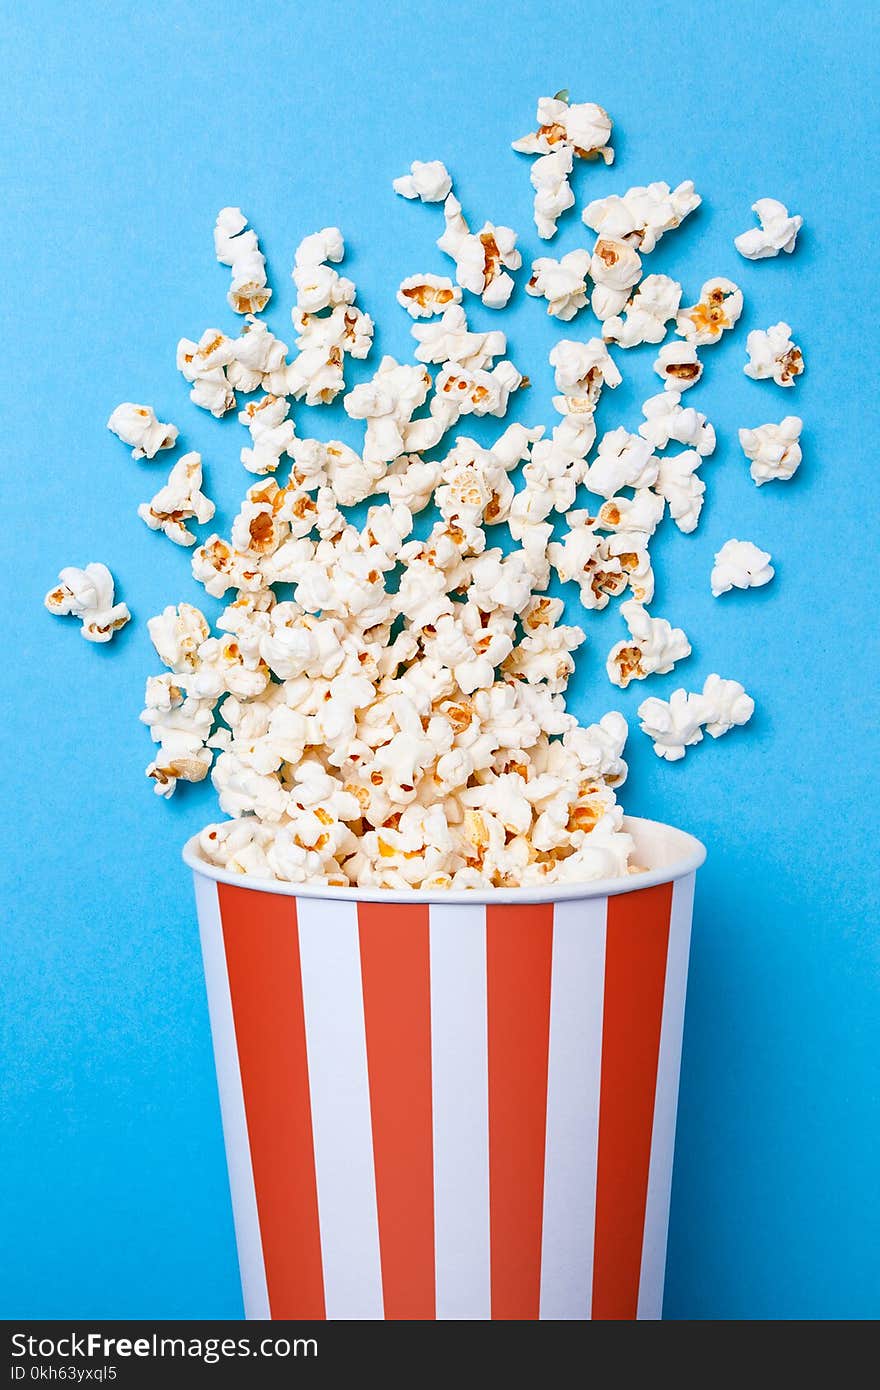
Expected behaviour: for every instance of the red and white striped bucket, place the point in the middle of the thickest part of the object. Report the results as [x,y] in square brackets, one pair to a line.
[455,1105]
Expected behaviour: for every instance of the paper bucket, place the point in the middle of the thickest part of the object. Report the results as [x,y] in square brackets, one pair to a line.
[451,1105]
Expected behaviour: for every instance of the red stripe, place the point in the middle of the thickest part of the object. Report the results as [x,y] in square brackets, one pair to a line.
[635,972]
[395,967]
[519,945]
[262,957]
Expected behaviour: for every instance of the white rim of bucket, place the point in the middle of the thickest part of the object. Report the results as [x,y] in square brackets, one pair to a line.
[685,855]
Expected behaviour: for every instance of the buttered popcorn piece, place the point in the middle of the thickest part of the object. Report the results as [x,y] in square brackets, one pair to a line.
[777,232]
[204,365]
[430,181]
[642,215]
[716,311]
[773,356]
[667,419]
[240,250]
[482,259]
[562,283]
[451,340]
[676,724]
[137,425]
[181,724]
[423,296]
[677,483]
[614,268]
[774,451]
[740,565]
[679,366]
[388,403]
[565,132]
[177,633]
[654,646]
[646,315]
[271,432]
[622,460]
[179,501]
[259,360]
[87,594]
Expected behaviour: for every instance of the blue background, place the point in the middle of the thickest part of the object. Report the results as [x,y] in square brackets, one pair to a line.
[129,127]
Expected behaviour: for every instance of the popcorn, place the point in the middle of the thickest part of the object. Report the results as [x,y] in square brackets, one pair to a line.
[204,364]
[181,724]
[584,126]
[615,267]
[388,403]
[87,594]
[642,215]
[562,283]
[564,132]
[678,484]
[179,501]
[430,182]
[423,296]
[271,431]
[774,450]
[655,646]
[259,360]
[740,565]
[718,308]
[677,724]
[773,354]
[623,460]
[137,425]
[482,259]
[679,366]
[646,315]
[397,715]
[777,232]
[450,340]
[239,249]
[667,419]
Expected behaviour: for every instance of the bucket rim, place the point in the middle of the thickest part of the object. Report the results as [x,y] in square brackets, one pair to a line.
[683,854]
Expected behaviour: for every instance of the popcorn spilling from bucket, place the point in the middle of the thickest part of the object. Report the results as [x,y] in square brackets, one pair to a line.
[399,720]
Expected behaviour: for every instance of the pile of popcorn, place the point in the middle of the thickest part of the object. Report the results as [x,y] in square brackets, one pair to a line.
[400,721]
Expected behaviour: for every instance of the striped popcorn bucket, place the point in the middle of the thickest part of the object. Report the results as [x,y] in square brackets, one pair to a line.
[453,1105]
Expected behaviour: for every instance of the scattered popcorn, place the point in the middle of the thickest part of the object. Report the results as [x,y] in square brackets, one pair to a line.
[646,315]
[777,232]
[88,595]
[667,419]
[482,260]
[718,309]
[382,700]
[430,182]
[239,249]
[642,215]
[740,565]
[179,501]
[679,366]
[423,296]
[678,723]
[615,267]
[137,425]
[773,354]
[655,646]
[774,450]
[562,283]
[565,132]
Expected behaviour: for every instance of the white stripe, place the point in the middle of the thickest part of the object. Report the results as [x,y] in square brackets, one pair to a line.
[666,1103]
[333,1003]
[460,1072]
[238,1153]
[573,1083]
